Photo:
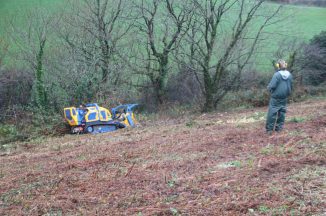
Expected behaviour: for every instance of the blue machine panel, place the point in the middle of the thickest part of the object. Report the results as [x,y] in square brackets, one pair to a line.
[103,114]
[68,115]
[92,116]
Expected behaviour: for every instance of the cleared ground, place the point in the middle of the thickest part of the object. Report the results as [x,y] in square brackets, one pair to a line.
[212,164]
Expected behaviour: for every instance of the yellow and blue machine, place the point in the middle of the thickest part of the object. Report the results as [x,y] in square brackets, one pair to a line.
[92,118]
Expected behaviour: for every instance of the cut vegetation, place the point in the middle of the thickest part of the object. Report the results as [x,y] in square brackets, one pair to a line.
[181,61]
[219,164]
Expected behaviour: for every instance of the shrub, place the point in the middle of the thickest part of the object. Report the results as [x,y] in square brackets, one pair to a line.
[15,88]
[7,131]
[314,60]
[254,97]
[184,88]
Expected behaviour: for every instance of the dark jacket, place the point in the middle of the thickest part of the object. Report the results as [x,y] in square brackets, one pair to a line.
[281,84]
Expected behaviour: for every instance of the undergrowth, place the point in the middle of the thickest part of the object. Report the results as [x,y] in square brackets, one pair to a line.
[29,124]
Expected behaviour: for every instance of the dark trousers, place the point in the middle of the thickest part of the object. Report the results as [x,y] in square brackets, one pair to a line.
[276,114]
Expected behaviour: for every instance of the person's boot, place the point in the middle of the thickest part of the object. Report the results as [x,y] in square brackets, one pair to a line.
[269,133]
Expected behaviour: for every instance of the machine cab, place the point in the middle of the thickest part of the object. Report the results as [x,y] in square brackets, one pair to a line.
[71,116]
[96,113]
[91,113]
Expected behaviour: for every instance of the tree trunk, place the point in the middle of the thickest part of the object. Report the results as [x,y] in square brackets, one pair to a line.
[161,81]
[41,97]
[209,102]
[209,92]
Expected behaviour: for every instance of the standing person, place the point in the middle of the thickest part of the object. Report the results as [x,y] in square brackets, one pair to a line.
[280,88]
[82,111]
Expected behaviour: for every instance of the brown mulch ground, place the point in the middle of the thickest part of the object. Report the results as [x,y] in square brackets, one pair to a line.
[213,164]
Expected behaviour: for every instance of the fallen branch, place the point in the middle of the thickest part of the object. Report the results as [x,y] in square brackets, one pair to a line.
[129,171]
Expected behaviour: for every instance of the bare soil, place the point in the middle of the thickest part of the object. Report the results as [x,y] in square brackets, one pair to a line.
[210,164]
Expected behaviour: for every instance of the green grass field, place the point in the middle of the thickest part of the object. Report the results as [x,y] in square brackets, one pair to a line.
[14,11]
[301,23]
[298,23]
[307,21]
[14,7]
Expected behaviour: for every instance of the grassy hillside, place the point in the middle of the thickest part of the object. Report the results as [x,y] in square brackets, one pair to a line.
[213,164]
[302,22]
[309,20]
[10,9]
[13,11]
[15,7]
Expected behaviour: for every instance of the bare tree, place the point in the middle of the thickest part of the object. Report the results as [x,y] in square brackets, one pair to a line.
[164,23]
[32,41]
[223,38]
[101,23]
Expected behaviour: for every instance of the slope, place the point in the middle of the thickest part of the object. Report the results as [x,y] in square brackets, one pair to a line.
[210,164]
[301,23]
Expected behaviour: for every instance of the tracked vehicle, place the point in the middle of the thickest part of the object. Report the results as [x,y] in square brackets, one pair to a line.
[91,118]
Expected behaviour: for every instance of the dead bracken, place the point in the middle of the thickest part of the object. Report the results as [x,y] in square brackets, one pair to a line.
[226,168]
